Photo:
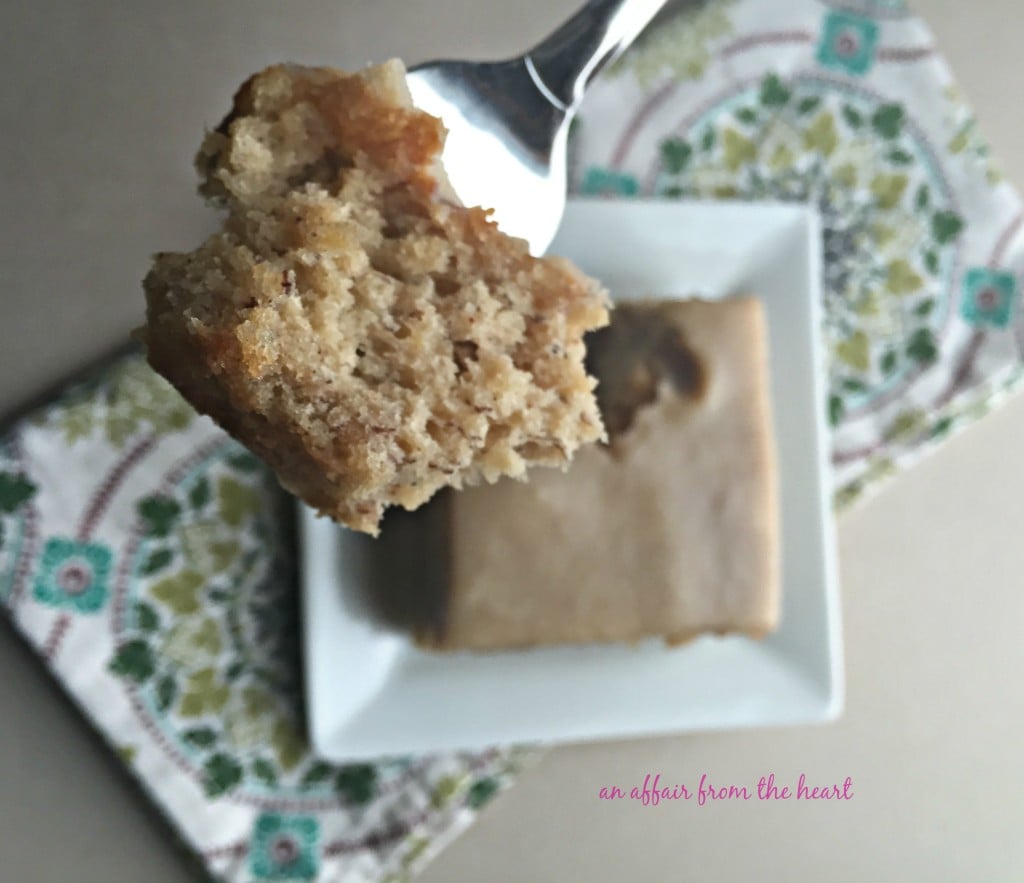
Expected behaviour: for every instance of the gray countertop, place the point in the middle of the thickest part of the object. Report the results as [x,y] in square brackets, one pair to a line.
[101,107]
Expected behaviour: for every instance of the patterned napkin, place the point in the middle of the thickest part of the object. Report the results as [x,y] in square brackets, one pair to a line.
[844,105]
[148,558]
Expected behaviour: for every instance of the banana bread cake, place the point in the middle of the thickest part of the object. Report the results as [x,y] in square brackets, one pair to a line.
[670,530]
[356,327]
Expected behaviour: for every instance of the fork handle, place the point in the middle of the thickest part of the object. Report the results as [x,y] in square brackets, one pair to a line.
[564,64]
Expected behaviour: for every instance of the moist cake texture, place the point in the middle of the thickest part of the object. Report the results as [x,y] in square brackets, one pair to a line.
[670,530]
[367,336]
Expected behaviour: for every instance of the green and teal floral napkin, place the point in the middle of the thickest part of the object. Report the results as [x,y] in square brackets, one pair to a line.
[848,107]
[149,559]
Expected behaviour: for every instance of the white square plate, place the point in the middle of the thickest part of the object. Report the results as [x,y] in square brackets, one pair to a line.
[371,692]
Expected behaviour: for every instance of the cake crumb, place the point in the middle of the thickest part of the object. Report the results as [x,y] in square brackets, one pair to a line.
[360,331]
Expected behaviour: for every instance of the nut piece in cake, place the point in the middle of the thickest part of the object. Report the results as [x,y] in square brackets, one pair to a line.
[367,336]
[670,530]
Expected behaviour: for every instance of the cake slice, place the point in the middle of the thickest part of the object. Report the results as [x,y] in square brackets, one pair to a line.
[670,530]
[367,336]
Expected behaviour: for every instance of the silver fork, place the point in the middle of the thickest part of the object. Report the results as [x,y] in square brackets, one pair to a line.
[508,121]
